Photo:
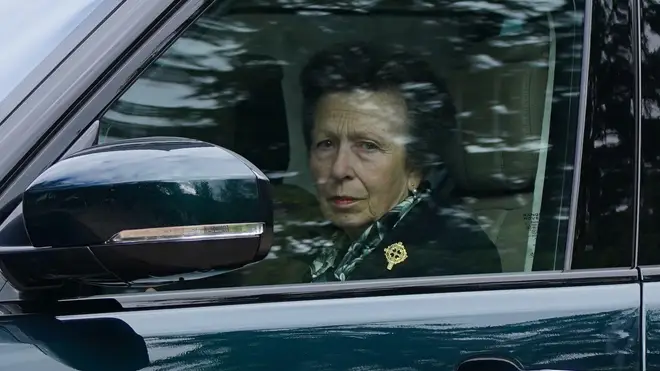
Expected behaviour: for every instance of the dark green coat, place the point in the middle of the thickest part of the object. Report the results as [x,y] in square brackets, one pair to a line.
[439,240]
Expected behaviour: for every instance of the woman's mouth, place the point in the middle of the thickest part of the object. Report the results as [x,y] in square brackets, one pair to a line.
[343,201]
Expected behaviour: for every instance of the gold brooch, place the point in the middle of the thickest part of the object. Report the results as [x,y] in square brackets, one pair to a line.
[395,254]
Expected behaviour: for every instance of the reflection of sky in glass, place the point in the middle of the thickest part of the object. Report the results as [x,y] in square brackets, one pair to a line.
[31,30]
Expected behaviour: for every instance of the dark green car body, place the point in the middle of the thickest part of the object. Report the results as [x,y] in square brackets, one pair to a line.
[590,327]
[596,308]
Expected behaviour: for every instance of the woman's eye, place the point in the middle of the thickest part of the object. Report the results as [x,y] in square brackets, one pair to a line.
[324,144]
[368,146]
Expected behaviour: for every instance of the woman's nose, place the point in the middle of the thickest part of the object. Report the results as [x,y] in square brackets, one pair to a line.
[341,166]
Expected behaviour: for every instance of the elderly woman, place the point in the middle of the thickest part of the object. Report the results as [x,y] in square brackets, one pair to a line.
[375,124]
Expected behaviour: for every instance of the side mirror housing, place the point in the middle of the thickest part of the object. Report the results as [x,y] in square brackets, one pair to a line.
[141,209]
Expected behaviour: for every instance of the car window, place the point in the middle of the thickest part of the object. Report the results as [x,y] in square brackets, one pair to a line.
[44,25]
[401,140]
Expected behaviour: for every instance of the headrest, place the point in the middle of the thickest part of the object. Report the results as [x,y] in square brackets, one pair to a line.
[261,133]
[500,94]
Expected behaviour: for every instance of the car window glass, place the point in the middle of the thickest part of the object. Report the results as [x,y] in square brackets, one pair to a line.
[44,24]
[472,92]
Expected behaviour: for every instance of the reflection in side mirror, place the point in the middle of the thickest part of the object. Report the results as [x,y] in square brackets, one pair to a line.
[82,344]
[141,209]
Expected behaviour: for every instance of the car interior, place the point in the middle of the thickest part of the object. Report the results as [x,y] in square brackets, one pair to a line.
[232,80]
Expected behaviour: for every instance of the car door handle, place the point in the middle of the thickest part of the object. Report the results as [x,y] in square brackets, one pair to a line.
[482,363]
[488,364]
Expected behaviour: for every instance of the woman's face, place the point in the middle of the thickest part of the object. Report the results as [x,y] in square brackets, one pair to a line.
[358,158]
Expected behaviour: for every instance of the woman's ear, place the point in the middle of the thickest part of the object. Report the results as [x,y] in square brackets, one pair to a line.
[414,179]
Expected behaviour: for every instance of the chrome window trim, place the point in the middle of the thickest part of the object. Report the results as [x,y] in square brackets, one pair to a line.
[370,288]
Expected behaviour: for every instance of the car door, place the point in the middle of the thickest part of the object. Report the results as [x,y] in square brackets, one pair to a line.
[536,105]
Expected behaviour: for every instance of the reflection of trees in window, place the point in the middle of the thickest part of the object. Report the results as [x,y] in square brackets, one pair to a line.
[196,88]
[605,214]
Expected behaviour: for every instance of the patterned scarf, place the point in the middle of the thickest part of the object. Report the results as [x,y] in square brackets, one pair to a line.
[359,249]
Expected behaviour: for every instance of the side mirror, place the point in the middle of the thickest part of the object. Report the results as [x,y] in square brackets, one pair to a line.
[141,209]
